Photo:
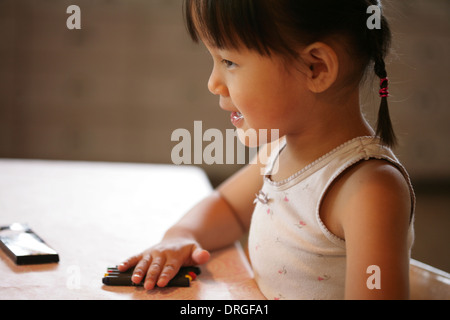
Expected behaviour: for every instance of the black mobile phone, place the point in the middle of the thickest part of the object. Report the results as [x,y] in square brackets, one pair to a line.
[24,246]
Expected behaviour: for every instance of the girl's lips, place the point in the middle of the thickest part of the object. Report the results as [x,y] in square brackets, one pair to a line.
[236,118]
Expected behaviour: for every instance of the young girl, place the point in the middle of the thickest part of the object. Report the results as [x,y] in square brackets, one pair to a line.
[334,220]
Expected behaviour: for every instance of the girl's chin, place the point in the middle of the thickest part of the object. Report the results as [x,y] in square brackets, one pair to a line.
[253,138]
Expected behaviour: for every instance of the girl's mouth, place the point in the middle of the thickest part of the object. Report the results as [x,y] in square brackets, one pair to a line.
[236,118]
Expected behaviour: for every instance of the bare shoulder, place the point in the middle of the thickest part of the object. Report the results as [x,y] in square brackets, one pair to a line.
[369,190]
[379,189]
[378,177]
[369,206]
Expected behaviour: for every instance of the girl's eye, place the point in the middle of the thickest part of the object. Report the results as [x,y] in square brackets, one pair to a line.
[228,63]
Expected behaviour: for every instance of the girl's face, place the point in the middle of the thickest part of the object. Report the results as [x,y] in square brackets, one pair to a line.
[258,91]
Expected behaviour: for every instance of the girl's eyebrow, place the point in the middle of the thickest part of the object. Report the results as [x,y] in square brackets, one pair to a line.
[218,51]
[229,52]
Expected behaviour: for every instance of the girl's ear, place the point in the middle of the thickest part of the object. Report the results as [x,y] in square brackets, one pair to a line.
[323,66]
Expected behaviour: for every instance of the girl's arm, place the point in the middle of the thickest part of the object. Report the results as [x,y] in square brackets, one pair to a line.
[216,222]
[225,216]
[373,203]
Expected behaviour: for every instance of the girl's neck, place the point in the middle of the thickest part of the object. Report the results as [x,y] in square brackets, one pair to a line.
[334,129]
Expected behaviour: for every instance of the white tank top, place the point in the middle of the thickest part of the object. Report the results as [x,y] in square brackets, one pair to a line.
[293,254]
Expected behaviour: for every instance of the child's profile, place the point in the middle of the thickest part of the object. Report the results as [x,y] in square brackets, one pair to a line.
[339,203]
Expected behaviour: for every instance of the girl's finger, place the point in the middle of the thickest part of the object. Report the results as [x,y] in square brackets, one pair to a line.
[130,262]
[169,271]
[154,271]
[200,256]
[141,268]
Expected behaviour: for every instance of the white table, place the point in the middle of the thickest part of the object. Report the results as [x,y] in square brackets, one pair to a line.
[97,214]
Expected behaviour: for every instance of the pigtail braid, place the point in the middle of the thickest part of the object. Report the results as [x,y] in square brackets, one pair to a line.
[379,44]
[384,128]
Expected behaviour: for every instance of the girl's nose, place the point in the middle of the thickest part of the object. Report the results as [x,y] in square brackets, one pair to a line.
[216,86]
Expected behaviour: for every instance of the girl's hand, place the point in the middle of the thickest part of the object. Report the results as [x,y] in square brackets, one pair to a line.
[161,263]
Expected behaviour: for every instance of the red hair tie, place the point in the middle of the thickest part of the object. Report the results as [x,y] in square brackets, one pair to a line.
[384,91]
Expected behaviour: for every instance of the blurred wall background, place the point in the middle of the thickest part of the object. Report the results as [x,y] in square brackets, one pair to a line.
[116,90]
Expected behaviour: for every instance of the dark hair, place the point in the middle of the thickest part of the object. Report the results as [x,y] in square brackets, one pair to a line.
[280,26]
